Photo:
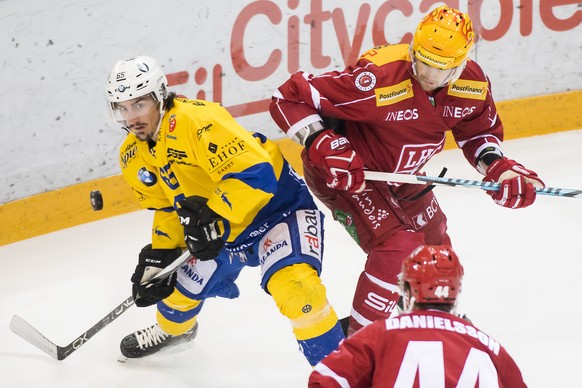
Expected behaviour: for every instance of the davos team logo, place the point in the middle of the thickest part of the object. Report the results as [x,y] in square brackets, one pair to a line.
[146,177]
[161,233]
[225,199]
[172,123]
[365,81]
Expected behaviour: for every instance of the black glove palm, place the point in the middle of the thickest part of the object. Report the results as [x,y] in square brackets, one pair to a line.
[202,228]
[151,261]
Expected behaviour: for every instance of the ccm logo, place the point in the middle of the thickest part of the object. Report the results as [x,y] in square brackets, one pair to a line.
[380,303]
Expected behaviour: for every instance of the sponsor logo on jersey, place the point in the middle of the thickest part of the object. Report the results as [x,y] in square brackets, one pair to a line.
[458,112]
[261,229]
[270,247]
[191,272]
[191,102]
[274,246]
[223,156]
[129,153]
[309,225]
[365,81]
[422,219]
[378,302]
[195,274]
[393,94]
[414,156]
[347,221]
[375,213]
[172,123]
[146,177]
[402,115]
[419,221]
[177,156]
[200,131]
[475,90]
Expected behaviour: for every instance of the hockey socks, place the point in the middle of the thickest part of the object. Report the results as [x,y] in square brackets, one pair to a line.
[315,349]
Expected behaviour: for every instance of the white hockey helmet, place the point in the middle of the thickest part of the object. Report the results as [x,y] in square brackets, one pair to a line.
[133,78]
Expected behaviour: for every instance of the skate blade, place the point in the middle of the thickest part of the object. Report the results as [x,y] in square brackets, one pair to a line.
[174,349]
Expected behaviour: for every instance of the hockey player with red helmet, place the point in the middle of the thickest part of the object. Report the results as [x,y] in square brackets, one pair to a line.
[428,344]
[390,112]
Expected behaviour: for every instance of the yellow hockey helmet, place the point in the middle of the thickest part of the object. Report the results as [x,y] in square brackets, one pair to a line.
[443,38]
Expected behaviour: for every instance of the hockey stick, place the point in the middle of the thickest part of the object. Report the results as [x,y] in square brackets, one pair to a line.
[492,186]
[25,330]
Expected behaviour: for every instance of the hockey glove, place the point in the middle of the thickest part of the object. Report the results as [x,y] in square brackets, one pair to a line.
[518,184]
[151,261]
[334,153]
[202,228]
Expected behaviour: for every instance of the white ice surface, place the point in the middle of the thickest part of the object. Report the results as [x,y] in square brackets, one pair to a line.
[521,286]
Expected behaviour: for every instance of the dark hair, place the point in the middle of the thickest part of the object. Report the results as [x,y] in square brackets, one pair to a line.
[169,101]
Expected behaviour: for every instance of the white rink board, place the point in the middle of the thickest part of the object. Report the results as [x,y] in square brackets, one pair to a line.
[56,56]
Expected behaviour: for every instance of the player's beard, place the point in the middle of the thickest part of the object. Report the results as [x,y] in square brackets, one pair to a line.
[142,131]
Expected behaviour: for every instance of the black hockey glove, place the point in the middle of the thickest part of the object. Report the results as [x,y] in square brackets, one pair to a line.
[203,228]
[151,261]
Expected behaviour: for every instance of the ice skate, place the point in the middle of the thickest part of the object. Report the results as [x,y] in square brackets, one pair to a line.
[154,340]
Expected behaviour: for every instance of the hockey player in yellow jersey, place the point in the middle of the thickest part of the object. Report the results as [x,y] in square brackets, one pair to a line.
[230,198]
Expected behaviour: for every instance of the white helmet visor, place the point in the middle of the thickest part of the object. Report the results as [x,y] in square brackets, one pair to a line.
[129,110]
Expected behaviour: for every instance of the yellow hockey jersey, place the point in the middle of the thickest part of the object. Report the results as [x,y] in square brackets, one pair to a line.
[201,150]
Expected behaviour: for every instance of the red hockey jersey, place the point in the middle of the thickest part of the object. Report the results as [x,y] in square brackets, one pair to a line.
[426,348]
[393,124]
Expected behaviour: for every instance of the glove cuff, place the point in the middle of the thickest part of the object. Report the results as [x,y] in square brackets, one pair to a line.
[504,168]
[158,257]
[311,138]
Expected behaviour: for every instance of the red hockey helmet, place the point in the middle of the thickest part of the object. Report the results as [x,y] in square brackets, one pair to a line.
[434,274]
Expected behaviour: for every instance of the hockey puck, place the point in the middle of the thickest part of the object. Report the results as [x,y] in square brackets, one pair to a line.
[96,200]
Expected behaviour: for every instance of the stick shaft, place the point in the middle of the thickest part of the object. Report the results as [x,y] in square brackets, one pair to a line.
[25,330]
[469,183]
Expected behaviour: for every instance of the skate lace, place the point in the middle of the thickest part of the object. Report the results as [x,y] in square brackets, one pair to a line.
[150,337]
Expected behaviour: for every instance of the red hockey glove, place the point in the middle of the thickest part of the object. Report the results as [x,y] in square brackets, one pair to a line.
[334,153]
[518,184]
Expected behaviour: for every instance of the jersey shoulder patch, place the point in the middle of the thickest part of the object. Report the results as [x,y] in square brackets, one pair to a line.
[381,55]
[463,88]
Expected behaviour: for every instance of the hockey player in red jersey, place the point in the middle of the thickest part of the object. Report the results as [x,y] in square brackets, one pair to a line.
[390,112]
[428,345]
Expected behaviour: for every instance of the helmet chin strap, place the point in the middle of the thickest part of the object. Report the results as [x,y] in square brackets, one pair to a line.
[157,131]
[455,74]
[408,303]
